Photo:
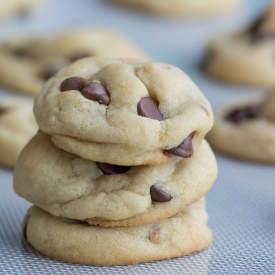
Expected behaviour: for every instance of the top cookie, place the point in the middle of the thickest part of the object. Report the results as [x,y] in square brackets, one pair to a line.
[245,57]
[34,60]
[16,7]
[182,7]
[123,112]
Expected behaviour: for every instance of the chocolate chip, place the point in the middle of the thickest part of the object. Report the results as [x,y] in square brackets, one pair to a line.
[260,31]
[185,149]
[207,59]
[50,72]
[2,110]
[73,83]
[155,233]
[109,169]
[79,55]
[19,52]
[148,107]
[96,91]
[245,113]
[158,195]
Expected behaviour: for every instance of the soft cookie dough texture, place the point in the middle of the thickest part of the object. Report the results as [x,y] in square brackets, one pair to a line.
[34,60]
[119,169]
[17,126]
[245,57]
[116,134]
[77,189]
[246,129]
[77,242]
[9,8]
[182,7]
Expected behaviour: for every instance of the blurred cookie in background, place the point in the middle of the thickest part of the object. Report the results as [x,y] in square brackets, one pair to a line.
[246,130]
[245,57]
[35,60]
[11,8]
[17,126]
[179,8]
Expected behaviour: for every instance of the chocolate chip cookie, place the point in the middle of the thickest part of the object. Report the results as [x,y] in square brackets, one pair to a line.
[75,242]
[84,190]
[17,126]
[123,112]
[246,130]
[245,57]
[35,60]
[182,7]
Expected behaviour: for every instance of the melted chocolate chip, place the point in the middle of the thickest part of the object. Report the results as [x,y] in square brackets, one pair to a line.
[79,55]
[185,149]
[73,83]
[158,195]
[50,72]
[96,91]
[148,107]
[245,113]
[109,169]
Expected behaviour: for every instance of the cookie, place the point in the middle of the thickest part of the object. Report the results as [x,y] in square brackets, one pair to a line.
[245,57]
[109,195]
[246,130]
[34,60]
[123,112]
[17,126]
[76,242]
[181,7]
[11,8]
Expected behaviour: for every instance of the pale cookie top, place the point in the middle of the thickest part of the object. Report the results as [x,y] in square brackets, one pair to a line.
[245,57]
[182,7]
[247,129]
[123,112]
[34,60]
[16,7]
[17,126]
[68,186]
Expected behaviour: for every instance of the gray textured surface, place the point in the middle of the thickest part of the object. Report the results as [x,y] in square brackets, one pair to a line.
[241,205]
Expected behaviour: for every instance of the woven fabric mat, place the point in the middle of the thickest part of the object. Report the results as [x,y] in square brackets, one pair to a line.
[241,206]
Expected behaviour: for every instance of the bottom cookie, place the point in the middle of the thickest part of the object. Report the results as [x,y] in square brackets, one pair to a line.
[75,242]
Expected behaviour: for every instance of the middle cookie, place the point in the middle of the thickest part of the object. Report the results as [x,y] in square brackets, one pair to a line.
[107,195]
[123,112]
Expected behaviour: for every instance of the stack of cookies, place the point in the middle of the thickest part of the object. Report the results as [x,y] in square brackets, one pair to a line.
[119,168]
